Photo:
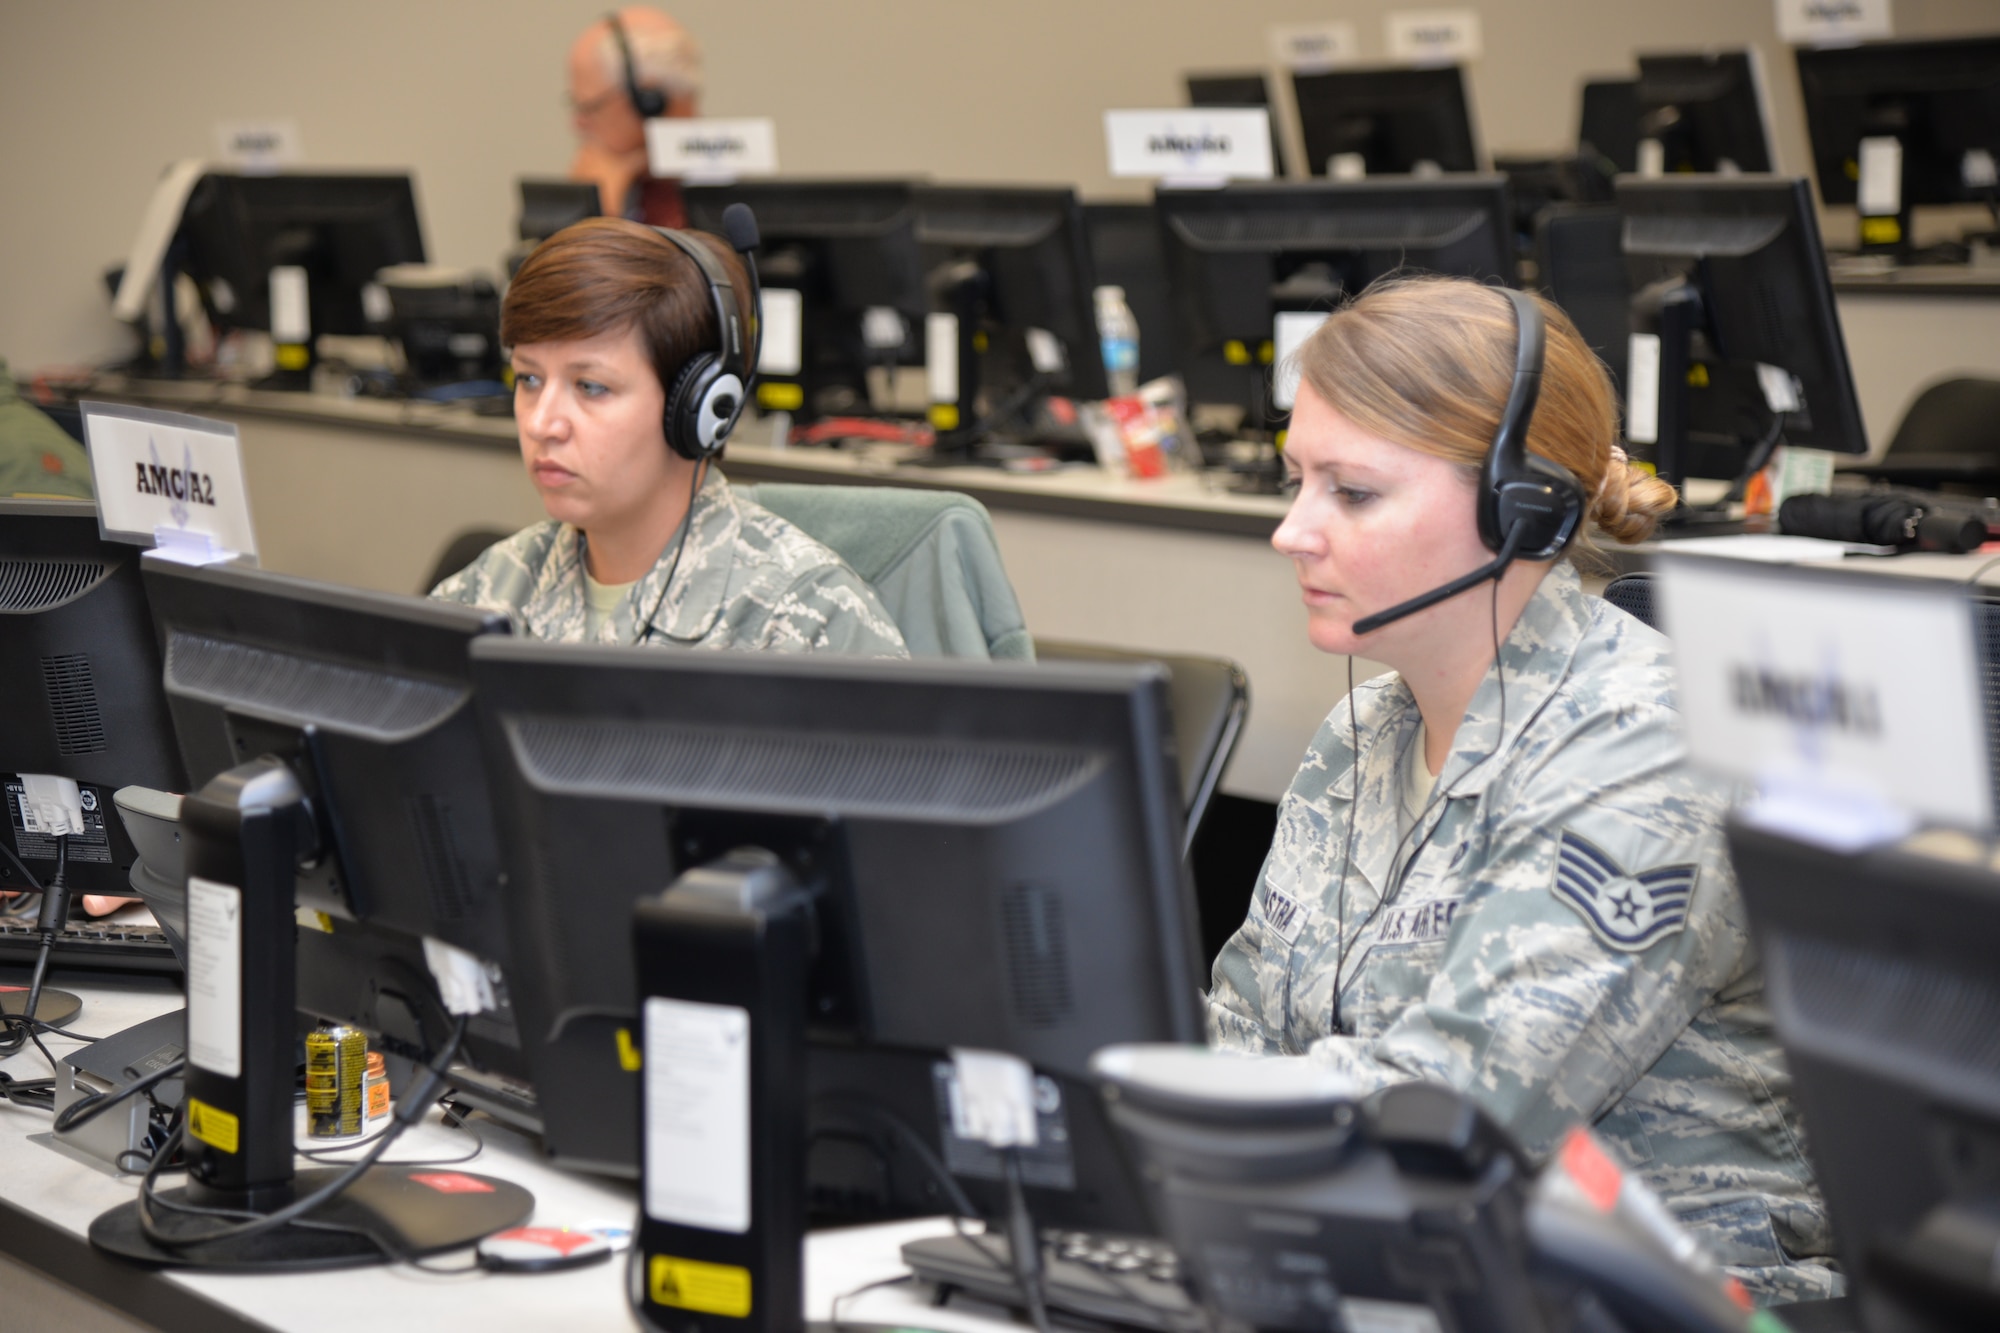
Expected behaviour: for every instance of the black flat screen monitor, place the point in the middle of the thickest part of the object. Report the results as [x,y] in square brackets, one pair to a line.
[1706,111]
[1580,256]
[1608,123]
[367,697]
[1239,255]
[1729,273]
[1882,976]
[999,854]
[1126,252]
[1239,90]
[849,248]
[342,229]
[1939,99]
[1015,259]
[547,206]
[1395,120]
[80,671]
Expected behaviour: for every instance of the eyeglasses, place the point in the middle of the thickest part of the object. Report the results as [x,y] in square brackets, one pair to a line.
[592,105]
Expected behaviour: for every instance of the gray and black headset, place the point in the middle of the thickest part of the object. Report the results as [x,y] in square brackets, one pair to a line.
[707,397]
[650,103]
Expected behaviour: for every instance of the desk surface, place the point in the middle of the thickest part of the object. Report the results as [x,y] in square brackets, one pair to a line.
[48,1198]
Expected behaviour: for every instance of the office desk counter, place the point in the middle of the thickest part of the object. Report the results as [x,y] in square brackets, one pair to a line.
[51,1278]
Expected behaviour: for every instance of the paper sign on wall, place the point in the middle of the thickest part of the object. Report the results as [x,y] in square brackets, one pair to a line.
[258,145]
[1832,22]
[1307,47]
[1433,36]
[169,481]
[713,150]
[1190,143]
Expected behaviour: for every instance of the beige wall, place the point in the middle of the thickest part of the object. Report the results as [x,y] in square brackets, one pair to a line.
[97,95]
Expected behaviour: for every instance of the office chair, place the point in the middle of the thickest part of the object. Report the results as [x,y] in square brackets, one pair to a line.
[1633,594]
[1949,435]
[459,552]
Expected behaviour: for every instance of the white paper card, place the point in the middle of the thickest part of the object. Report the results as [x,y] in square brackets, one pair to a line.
[697,1071]
[1802,677]
[941,356]
[1306,47]
[215,976]
[1218,143]
[1045,352]
[993,1098]
[462,979]
[1879,192]
[1652,158]
[291,311]
[781,349]
[1781,389]
[167,471]
[258,145]
[711,149]
[1832,22]
[51,806]
[1642,389]
[1433,36]
[1288,332]
[1369,1316]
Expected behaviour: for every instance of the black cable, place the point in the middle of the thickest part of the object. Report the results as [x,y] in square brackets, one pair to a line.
[81,1112]
[37,1094]
[55,909]
[1025,1244]
[687,526]
[1760,454]
[1972,580]
[833,1319]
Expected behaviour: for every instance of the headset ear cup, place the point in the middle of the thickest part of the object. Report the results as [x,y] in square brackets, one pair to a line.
[682,423]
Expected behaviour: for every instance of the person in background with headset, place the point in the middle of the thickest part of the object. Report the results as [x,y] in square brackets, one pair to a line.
[633,65]
[1494,869]
[631,358]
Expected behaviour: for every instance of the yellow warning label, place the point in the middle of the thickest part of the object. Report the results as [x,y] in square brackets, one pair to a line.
[1235,353]
[1280,438]
[628,1052]
[1698,376]
[944,416]
[213,1126]
[979,343]
[1266,350]
[687,1284]
[1881,231]
[292,356]
[778,396]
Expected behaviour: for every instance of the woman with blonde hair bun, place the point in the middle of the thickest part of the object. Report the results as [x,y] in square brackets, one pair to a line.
[1494,868]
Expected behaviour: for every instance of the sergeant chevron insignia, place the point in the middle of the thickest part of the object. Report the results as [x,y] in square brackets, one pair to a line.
[1629,912]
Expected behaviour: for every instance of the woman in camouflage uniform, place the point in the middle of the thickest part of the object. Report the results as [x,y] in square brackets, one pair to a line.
[643,545]
[1494,868]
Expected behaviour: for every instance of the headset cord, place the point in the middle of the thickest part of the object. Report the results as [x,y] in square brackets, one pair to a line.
[687,526]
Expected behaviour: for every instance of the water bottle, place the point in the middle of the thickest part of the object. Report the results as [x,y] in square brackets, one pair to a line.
[1118,334]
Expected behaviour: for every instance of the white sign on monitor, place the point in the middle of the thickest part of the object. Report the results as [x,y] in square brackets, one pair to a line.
[781,342]
[1832,22]
[1861,689]
[170,481]
[1289,330]
[259,146]
[711,150]
[1433,36]
[1190,143]
[1309,47]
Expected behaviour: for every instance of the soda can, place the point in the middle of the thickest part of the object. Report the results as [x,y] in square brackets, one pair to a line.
[336,1067]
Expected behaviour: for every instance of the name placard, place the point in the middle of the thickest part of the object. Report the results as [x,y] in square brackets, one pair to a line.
[1190,143]
[259,145]
[716,150]
[1832,22]
[169,480]
[1433,36]
[1831,680]
[1309,47]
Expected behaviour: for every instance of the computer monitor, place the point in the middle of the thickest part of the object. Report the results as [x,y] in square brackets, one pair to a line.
[80,671]
[1733,315]
[341,229]
[1013,264]
[1240,256]
[1608,124]
[1702,112]
[849,249]
[366,696]
[1880,971]
[1385,122]
[1580,262]
[1939,101]
[1126,252]
[1247,89]
[997,855]
[547,206]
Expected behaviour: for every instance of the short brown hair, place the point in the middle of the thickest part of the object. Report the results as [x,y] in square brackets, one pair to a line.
[606,275]
[1427,362]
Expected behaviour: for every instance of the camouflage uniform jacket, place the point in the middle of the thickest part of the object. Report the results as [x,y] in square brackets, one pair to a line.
[748,579]
[1565,943]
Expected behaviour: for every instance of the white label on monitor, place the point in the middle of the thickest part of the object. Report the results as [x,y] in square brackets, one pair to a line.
[167,472]
[1652,159]
[1977,170]
[258,145]
[1190,143]
[1642,389]
[1045,352]
[1879,192]
[1306,47]
[291,310]
[941,356]
[1432,36]
[781,346]
[696,1065]
[215,977]
[1347,167]
[711,149]
[1831,680]
[883,328]
[1832,22]
[1781,391]
[1289,330]
[1367,1316]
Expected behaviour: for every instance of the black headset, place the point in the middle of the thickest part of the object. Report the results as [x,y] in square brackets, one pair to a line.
[1529,508]
[707,397]
[650,103]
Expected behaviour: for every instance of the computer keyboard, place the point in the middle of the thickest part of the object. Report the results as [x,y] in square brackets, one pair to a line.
[1130,1280]
[100,944]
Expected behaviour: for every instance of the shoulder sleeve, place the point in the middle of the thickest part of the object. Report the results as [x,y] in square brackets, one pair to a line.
[831,610]
[1599,915]
[502,577]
